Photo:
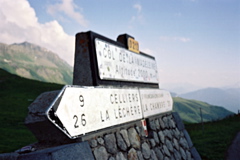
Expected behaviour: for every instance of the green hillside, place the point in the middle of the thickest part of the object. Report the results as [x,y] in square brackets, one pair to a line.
[16,94]
[189,110]
[34,62]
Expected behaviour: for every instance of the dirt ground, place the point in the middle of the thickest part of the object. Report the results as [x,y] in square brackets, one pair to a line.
[234,150]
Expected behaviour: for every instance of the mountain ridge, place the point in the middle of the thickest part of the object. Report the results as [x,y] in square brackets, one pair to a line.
[228,98]
[34,62]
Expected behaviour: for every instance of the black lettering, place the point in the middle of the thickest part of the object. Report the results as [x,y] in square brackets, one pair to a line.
[124,113]
[131,108]
[111,98]
[136,96]
[115,114]
[75,125]
[105,53]
[120,98]
[135,109]
[84,122]
[129,97]
[101,116]
[119,112]
[81,99]
[127,111]
[107,115]
[116,100]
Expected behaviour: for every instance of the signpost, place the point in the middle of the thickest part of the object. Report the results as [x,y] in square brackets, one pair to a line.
[117,63]
[100,61]
[114,83]
[155,101]
[82,110]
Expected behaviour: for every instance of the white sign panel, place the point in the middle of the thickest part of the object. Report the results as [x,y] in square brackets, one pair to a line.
[83,110]
[116,63]
[155,101]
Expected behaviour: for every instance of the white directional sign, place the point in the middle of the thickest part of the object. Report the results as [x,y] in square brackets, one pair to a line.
[84,110]
[116,63]
[155,101]
[81,110]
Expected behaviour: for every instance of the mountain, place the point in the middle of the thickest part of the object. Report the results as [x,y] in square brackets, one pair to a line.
[34,62]
[228,98]
[189,110]
[180,88]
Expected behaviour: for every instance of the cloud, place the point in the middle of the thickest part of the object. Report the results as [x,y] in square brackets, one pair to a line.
[138,17]
[68,7]
[19,23]
[178,39]
[138,7]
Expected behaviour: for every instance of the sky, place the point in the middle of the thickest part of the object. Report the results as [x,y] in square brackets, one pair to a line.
[194,42]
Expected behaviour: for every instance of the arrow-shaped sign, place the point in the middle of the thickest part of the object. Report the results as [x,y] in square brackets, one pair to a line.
[80,110]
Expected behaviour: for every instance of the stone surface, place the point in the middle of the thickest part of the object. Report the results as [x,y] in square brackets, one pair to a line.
[152,125]
[9,156]
[161,136]
[176,133]
[183,153]
[166,158]
[169,145]
[75,151]
[155,136]
[165,120]
[120,142]
[110,142]
[162,125]
[189,141]
[93,143]
[132,154]
[140,131]
[157,124]
[153,155]
[177,154]
[168,133]
[134,138]
[188,154]
[152,142]
[146,150]
[183,143]
[111,158]
[175,143]
[126,143]
[166,151]
[158,152]
[124,134]
[100,141]
[140,156]
[178,121]
[38,123]
[120,156]
[195,154]
[100,153]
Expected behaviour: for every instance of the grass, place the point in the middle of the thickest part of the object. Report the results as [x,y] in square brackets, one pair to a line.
[213,139]
[16,94]
[189,110]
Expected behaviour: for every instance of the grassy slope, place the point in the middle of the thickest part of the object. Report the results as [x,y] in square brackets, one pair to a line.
[16,95]
[213,138]
[189,110]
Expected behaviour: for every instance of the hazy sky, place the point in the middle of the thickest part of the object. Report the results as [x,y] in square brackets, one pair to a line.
[194,41]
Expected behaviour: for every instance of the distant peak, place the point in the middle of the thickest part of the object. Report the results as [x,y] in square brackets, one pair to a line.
[24,44]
